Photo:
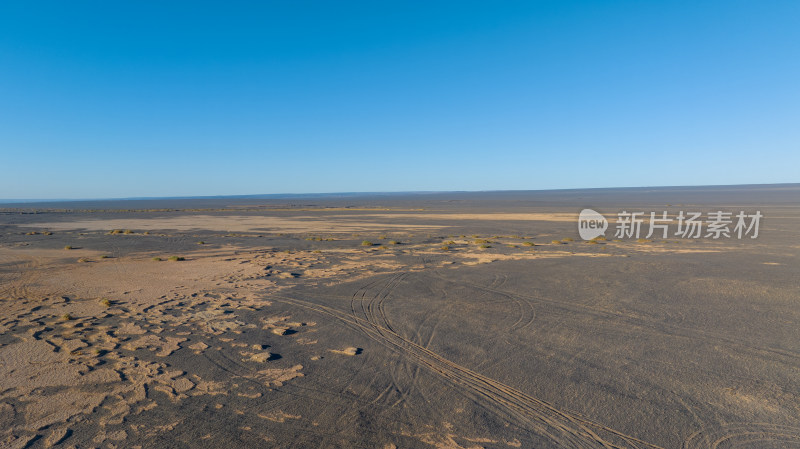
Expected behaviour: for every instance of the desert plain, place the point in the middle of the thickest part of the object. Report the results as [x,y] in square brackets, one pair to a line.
[442,320]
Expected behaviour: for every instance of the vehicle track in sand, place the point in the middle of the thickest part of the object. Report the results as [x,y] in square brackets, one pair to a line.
[559,427]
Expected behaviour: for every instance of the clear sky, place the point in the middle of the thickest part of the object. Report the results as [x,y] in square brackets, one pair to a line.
[104,99]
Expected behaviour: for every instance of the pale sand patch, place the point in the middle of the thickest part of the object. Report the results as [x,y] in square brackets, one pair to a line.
[532,216]
[346,351]
[277,376]
[230,223]
[278,416]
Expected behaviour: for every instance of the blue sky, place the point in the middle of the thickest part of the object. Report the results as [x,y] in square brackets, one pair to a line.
[120,99]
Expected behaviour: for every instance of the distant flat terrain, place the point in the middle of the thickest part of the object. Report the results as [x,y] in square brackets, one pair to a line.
[437,320]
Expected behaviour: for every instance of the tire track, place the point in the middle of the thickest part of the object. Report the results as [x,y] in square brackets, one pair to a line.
[636,321]
[732,436]
[561,428]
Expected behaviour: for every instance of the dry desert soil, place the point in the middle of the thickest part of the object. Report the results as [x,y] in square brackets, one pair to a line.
[461,320]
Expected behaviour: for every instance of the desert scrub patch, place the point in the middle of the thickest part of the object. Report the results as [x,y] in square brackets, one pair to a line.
[482,242]
[127,231]
[394,242]
[316,251]
[47,233]
[568,239]
[383,237]
[115,231]
[105,302]
[83,260]
[66,317]
[176,258]
[105,256]
[366,243]
[32,233]
[201,242]
[556,242]
[529,244]
[444,248]
[68,247]
[157,259]
[484,246]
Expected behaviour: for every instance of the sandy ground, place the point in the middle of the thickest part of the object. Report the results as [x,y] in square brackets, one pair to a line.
[452,329]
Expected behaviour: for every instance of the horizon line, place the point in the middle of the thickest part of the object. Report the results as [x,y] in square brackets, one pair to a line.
[365,193]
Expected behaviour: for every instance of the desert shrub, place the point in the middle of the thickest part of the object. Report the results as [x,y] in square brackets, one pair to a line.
[176,258]
[32,233]
[47,233]
[127,231]
[592,242]
[382,237]
[484,246]
[568,239]
[201,242]
[394,242]
[68,247]
[105,256]
[600,239]
[316,251]
[366,243]
[66,317]
[556,242]
[444,247]
[529,244]
[83,260]
[157,259]
[105,302]
[481,241]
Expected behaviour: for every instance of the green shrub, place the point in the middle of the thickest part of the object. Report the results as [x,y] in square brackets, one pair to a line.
[176,258]
[157,259]
[366,243]
[68,247]
[486,246]
[529,244]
